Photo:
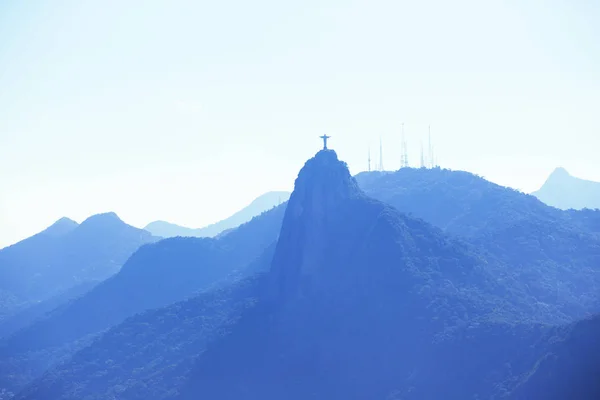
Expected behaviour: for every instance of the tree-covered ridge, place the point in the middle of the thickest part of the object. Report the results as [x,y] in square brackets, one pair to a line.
[155,276]
[457,201]
[555,253]
[567,367]
[149,355]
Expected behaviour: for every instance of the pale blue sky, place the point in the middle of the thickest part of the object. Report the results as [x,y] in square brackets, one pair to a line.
[187,110]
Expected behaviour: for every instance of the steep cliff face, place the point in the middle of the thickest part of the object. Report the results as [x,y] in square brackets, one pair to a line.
[356,295]
[321,187]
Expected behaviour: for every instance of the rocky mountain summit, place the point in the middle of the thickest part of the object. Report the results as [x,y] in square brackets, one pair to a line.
[565,191]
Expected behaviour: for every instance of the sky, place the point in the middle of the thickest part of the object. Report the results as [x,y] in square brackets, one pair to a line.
[186,111]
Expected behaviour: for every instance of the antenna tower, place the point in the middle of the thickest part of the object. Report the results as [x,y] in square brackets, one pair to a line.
[422,156]
[369,158]
[380,155]
[404,150]
[430,155]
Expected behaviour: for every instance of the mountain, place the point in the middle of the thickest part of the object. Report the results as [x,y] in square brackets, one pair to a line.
[63,256]
[258,206]
[555,253]
[458,202]
[356,296]
[360,301]
[155,276]
[60,227]
[564,191]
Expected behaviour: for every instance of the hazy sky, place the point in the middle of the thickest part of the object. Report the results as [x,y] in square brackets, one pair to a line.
[187,110]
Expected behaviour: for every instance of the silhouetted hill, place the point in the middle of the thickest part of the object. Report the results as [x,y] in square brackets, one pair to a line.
[63,256]
[258,206]
[155,276]
[565,191]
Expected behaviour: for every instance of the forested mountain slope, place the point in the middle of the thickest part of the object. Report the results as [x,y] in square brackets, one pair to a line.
[460,202]
[63,256]
[555,253]
[149,355]
[155,276]
[567,367]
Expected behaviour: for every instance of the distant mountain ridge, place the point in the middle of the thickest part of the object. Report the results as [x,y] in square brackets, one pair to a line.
[564,191]
[64,255]
[258,205]
[155,276]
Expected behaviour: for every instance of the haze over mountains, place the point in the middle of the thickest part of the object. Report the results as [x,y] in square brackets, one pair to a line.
[258,205]
[413,280]
[171,270]
[564,191]
[64,256]
[335,295]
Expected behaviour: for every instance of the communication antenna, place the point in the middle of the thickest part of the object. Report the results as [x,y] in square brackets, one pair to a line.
[380,154]
[430,155]
[404,150]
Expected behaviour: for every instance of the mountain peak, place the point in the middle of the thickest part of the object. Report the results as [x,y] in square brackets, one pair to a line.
[565,191]
[61,227]
[559,172]
[103,220]
[324,177]
[322,189]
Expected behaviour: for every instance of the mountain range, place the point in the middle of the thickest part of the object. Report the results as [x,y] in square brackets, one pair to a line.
[564,191]
[64,256]
[172,270]
[345,296]
[258,206]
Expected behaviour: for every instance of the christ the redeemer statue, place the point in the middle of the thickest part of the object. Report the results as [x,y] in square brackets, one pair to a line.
[324,137]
